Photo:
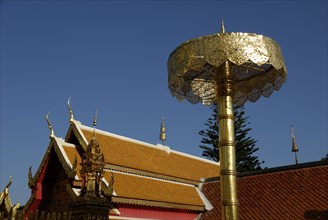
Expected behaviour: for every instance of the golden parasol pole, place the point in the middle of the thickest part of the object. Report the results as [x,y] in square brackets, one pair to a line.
[227,144]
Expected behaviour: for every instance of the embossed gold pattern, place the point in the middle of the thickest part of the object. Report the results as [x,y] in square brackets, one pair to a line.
[226,68]
[257,67]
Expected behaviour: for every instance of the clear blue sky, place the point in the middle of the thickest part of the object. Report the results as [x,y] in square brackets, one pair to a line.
[112,55]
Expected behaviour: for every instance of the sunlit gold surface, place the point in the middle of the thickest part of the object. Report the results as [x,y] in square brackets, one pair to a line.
[257,67]
[227,150]
[226,68]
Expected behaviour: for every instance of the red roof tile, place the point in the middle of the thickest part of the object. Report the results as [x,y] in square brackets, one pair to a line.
[296,193]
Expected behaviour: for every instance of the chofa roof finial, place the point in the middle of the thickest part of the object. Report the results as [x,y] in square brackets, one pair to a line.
[10,182]
[6,191]
[71,116]
[52,133]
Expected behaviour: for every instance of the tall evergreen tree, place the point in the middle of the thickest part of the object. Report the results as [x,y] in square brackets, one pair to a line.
[245,145]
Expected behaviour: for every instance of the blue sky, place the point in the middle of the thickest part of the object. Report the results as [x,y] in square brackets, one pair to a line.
[112,56]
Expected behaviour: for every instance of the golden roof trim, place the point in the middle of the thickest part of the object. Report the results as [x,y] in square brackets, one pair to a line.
[29,202]
[156,204]
[70,171]
[32,180]
[74,129]
[54,144]
[143,173]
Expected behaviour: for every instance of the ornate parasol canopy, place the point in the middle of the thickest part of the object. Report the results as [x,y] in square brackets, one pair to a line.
[227,68]
[257,67]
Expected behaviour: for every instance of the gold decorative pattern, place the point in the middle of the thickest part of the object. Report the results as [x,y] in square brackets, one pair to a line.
[108,190]
[227,69]
[257,67]
[92,170]
[157,204]
[122,169]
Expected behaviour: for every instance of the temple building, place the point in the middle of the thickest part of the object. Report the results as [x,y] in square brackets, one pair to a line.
[94,174]
[115,177]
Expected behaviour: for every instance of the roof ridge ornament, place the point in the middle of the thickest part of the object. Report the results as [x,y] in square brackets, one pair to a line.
[52,133]
[95,123]
[294,146]
[162,135]
[222,26]
[6,191]
[31,182]
[71,116]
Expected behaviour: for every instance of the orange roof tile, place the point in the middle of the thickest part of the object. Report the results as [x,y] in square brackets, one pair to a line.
[150,191]
[71,153]
[144,188]
[138,155]
[293,192]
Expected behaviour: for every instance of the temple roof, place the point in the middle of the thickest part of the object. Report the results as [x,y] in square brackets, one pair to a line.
[144,174]
[129,153]
[291,192]
[134,189]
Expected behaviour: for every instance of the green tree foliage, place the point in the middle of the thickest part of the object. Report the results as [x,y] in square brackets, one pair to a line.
[245,145]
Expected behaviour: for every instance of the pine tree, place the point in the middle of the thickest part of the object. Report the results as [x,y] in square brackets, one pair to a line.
[245,145]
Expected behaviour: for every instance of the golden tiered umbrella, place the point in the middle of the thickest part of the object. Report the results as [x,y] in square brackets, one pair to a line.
[226,68]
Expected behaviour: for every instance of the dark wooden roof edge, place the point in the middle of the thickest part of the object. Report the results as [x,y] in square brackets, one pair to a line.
[274,169]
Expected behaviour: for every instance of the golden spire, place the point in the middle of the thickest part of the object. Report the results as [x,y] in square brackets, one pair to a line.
[294,146]
[95,123]
[71,116]
[222,26]
[162,135]
[52,134]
